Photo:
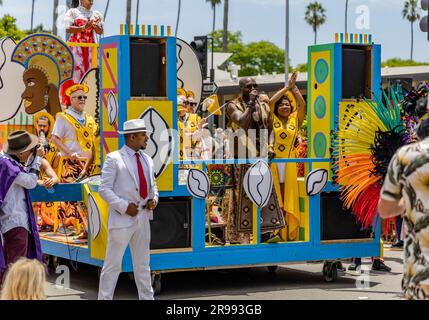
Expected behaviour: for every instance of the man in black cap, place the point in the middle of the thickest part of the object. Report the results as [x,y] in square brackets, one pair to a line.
[19,170]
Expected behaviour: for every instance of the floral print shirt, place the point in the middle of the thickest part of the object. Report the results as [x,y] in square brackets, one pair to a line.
[408,178]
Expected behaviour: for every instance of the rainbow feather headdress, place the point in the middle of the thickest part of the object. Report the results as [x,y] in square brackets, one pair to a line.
[369,134]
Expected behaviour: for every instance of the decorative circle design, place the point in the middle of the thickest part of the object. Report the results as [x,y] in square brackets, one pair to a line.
[320,107]
[320,145]
[321,71]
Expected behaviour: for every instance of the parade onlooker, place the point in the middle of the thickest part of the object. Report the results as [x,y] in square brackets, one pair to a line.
[19,171]
[25,280]
[405,190]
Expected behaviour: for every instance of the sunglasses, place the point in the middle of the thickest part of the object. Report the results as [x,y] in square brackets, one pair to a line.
[193,104]
[252,86]
[81,97]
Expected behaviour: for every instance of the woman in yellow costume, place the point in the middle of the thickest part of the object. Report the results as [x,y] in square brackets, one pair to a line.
[289,110]
[188,124]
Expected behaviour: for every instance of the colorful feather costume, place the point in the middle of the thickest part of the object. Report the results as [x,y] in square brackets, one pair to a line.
[369,134]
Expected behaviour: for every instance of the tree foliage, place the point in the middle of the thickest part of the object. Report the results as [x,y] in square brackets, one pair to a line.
[254,58]
[8,28]
[397,62]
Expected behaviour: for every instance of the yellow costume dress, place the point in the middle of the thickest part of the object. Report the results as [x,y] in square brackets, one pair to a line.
[284,148]
[186,129]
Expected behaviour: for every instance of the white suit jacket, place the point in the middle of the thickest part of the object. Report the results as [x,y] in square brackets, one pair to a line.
[119,187]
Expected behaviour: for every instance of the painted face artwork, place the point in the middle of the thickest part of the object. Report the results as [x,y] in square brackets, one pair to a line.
[35,95]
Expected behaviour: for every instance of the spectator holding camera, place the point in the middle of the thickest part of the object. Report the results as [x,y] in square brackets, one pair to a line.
[19,170]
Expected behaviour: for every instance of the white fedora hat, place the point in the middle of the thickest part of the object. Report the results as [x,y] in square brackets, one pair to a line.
[134,126]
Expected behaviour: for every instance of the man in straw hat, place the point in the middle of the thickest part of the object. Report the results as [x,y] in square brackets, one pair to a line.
[128,186]
[19,170]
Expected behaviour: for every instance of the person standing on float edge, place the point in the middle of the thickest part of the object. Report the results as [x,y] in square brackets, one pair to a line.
[129,187]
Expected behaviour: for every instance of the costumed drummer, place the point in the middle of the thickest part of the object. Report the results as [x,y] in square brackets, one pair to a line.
[19,170]
[289,109]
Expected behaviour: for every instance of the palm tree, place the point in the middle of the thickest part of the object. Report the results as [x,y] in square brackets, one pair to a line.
[55,18]
[128,12]
[225,25]
[214,3]
[315,16]
[178,16]
[411,13]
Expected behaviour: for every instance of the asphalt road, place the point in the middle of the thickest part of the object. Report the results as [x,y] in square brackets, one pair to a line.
[290,282]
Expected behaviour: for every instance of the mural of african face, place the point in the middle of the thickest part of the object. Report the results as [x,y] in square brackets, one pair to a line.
[48,63]
[36,91]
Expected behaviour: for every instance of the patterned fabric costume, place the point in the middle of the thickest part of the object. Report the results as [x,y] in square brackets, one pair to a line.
[78,17]
[407,178]
[239,213]
[286,173]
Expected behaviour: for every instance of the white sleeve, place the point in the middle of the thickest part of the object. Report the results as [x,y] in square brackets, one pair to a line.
[69,18]
[58,129]
[98,15]
[108,179]
[29,180]
[155,186]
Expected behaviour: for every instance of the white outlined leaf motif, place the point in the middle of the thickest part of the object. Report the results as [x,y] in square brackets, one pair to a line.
[198,184]
[258,183]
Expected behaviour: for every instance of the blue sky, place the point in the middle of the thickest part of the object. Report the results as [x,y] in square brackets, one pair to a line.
[257,20]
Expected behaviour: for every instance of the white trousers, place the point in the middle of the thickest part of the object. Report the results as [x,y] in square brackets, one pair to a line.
[138,237]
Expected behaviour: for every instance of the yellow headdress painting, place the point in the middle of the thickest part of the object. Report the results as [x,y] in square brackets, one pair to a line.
[48,62]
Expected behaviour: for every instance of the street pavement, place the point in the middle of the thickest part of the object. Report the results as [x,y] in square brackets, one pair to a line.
[291,282]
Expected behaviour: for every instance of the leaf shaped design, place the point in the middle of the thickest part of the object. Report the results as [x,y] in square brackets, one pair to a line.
[258,183]
[316,182]
[189,74]
[112,108]
[94,217]
[160,143]
[11,84]
[198,184]
[92,80]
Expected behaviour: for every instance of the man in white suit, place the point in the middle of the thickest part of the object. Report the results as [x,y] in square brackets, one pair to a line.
[128,186]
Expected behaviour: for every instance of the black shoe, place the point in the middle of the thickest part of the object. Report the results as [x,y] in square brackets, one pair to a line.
[379,265]
[355,265]
[399,244]
[340,267]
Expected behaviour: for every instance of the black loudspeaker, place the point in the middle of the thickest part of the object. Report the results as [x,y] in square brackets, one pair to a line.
[171,225]
[356,73]
[338,223]
[148,76]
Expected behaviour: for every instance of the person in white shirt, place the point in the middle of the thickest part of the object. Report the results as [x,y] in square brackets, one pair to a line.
[19,170]
[129,187]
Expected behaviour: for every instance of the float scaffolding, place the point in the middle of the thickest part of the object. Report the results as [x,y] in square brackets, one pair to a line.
[139,79]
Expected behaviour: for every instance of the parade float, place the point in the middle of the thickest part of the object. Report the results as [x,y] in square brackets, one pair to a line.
[137,74]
